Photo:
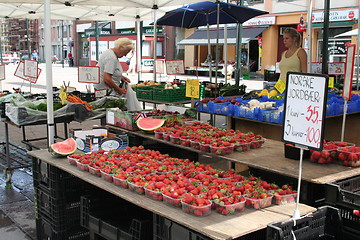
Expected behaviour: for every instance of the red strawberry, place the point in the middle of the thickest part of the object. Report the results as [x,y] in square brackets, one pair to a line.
[316,155]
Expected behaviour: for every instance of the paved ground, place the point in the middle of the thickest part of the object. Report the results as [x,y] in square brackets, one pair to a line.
[17,218]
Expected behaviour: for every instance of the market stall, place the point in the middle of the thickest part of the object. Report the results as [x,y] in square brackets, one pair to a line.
[214,226]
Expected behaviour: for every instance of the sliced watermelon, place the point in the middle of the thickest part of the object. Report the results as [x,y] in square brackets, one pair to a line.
[149,124]
[64,148]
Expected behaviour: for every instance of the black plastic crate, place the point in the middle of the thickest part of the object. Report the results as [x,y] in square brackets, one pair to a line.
[325,223]
[62,214]
[165,229]
[106,225]
[57,181]
[345,195]
[45,231]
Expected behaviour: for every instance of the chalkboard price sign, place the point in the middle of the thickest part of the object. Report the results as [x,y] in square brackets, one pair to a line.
[304,109]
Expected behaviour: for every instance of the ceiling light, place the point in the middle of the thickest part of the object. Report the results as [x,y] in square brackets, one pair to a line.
[31,12]
[111,15]
[68,4]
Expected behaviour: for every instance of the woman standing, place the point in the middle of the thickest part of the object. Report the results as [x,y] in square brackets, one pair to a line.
[111,72]
[294,58]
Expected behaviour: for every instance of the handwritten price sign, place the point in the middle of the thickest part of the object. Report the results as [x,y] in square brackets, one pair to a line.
[2,72]
[19,72]
[174,67]
[88,74]
[305,107]
[192,88]
[30,68]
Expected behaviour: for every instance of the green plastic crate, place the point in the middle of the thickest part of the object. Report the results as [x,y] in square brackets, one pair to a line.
[170,95]
[144,92]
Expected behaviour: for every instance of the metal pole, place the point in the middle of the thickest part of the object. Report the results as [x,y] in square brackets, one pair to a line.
[225,52]
[358,51]
[1,58]
[217,46]
[309,31]
[28,44]
[138,43]
[62,43]
[49,79]
[155,8]
[325,53]
[209,51]
[238,68]
[97,40]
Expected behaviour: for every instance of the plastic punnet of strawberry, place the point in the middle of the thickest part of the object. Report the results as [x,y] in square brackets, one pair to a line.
[195,205]
[229,205]
[349,156]
[258,200]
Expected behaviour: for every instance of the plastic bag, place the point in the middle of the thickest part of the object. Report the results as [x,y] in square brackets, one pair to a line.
[132,103]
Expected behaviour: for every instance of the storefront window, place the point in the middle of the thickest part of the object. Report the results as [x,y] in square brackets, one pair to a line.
[146,49]
[159,49]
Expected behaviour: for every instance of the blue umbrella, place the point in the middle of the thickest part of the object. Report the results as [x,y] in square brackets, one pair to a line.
[208,13]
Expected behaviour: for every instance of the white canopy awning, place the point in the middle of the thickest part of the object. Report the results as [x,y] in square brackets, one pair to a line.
[351,33]
[91,10]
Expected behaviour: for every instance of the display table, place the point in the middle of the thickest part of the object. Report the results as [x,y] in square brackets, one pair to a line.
[333,125]
[270,157]
[214,226]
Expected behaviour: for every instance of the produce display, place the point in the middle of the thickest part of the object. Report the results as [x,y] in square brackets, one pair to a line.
[342,152]
[267,106]
[149,124]
[207,138]
[195,188]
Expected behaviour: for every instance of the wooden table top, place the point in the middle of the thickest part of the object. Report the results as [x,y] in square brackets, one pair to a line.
[270,157]
[215,226]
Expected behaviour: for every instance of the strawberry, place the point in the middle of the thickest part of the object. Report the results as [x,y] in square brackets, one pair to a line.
[356,212]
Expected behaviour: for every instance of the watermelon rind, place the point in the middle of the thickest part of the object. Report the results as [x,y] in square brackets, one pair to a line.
[63,148]
[156,123]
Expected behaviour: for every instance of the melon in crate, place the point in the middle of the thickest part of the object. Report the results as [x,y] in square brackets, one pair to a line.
[63,148]
[148,125]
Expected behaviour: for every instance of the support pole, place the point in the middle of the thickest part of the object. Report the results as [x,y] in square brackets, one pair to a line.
[97,40]
[49,79]
[309,31]
[155,8]
[325,53]
[238,68]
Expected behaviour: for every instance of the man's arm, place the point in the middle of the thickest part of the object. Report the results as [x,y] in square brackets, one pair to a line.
[108,81]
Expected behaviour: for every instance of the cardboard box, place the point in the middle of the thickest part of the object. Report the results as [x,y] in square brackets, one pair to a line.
[99,139]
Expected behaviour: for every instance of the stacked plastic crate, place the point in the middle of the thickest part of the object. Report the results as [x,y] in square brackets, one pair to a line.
[57,203]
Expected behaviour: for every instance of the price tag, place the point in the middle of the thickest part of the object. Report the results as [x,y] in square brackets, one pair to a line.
[337,68]
[100,93]
[349,71]
[316,67]
[160,66]
[192,88]
[30,68]
[19,72]
[70,89]
[280,86]
[87,74]
[304,110]
[331,82]
[175,67]
[2,72]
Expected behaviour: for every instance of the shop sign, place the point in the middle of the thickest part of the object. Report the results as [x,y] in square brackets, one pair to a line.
[146,30]
[260,21]
[84,35]
[147,64]
[103,31]
[337,47]
[336,16]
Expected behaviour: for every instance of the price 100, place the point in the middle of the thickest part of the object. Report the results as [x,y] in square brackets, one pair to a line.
[313,135]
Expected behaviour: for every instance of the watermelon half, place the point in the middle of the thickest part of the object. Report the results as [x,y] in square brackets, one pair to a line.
[63,148]
[149,124]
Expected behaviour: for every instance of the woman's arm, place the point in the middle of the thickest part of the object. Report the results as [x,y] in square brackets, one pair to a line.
[108,81]
[303,60]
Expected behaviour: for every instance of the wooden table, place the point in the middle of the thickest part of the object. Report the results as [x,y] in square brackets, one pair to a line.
[333,125]
[271,157]
[214,226]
